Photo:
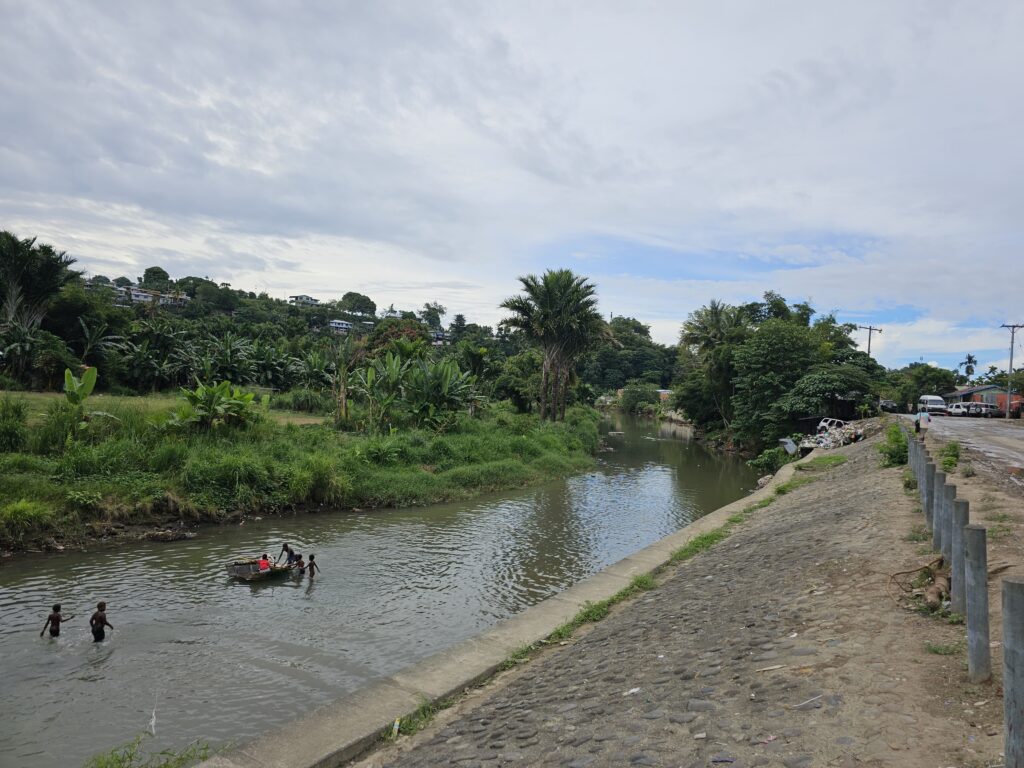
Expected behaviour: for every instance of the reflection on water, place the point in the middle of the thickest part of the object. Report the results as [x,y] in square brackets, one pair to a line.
[223,661]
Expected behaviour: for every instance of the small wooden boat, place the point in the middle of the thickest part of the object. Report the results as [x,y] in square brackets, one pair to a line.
[249,570]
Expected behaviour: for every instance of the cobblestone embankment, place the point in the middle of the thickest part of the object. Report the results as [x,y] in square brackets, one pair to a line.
[779,646]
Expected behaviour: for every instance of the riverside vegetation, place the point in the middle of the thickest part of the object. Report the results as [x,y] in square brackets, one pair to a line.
[71,473]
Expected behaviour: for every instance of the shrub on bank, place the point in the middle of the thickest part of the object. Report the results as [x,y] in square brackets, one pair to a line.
[894,449]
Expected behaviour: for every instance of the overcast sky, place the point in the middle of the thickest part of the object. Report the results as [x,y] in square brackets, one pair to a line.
[863,156]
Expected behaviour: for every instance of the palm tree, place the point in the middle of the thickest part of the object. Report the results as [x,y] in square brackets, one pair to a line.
[558,312]
[968,364]
[709,332]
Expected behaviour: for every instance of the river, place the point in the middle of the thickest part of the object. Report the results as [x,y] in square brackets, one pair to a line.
[196,656]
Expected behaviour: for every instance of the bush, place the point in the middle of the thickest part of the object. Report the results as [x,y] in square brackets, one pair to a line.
[636,394]
[54,435]
[949,456]
[18,518]
[12,424]
[771,461]
[894,449]
[304,400]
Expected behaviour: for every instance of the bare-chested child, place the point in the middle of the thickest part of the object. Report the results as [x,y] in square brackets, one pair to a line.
[312,566]
[53,622]
[98,622]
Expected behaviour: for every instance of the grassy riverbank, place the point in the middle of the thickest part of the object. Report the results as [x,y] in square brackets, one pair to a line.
[129,475]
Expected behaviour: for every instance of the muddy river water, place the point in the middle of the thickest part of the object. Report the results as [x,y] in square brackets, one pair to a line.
[194,655]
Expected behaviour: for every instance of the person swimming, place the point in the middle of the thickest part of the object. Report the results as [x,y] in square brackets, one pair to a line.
[98,622]
[53,622]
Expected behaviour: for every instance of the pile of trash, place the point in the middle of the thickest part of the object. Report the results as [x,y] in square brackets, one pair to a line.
[832,437]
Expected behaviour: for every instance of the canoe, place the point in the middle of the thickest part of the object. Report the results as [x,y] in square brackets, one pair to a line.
[249,570]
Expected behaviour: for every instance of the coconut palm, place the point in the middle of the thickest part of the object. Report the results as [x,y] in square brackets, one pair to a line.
[558,312]
[969,363]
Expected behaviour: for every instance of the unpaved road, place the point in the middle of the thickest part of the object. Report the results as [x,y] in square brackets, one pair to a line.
[996,444]
[780,646]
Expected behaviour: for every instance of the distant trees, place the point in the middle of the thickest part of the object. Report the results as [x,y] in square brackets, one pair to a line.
[155,279]
[358,304]
[758,368]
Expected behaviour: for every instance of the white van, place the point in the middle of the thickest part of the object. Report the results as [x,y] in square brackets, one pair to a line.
[932,404]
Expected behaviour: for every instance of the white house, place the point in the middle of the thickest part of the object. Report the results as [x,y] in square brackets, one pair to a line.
[340,326]
[302,300]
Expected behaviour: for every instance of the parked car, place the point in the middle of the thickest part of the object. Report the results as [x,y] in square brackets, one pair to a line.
[827,424]
[889,406]
[959,409]
[933,404]
[985,410]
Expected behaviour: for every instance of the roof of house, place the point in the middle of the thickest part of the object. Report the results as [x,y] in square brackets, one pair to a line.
[972,390]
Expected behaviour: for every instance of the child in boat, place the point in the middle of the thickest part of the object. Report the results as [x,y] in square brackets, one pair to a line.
[264,562]
[53,622]
[300,564]
[313,567]
[98,622]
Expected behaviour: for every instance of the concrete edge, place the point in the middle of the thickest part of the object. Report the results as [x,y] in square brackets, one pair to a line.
[345,729]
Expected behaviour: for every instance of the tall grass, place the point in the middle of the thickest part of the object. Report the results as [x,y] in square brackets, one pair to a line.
[125,465]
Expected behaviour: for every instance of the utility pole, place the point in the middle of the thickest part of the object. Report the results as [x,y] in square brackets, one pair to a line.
[1009,376]
[870,329]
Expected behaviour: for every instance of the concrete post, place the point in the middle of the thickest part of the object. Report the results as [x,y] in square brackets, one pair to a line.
[938,496]
[957,595]
[929,487]
[979,659]
[1013,670]
[948,499]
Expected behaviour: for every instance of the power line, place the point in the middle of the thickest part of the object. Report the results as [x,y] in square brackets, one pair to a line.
[870,329]
[1009,376]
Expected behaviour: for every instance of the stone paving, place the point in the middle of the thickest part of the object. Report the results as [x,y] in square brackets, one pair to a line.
[778,647]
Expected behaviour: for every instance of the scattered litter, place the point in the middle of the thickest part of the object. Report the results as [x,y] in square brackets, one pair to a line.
[771,668]
[631,691]
[980,703]
[804,703]
[661,655]
[792,636]
[722,760]
[700,735]
[768,739]
[395,727]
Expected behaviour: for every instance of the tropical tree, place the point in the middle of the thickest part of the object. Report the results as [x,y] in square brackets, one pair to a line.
[558,313]
[969,363]
[349,352]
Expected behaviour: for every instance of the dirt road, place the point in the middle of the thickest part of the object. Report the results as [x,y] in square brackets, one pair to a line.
[999,441]
[779,646]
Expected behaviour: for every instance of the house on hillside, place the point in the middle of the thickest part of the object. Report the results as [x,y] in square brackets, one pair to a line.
[340,326]
[302,300]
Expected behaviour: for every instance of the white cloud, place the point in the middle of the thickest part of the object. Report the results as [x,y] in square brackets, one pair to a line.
[433,151]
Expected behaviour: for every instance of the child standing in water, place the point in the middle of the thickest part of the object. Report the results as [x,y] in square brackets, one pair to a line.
[98,622]
[313,567]
[53,622]
[300,564]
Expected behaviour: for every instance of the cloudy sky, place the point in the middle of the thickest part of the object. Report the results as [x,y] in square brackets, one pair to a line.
[863,156]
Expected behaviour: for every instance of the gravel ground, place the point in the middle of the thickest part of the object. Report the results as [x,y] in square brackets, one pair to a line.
[778,647]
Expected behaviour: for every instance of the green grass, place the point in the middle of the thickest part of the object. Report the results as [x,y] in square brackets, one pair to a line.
[595,611]
[949,456]
[67,484]
[909,480]
[418,720]
[699,544]
[792,485]
[819,463]
[131,755]
[918,533]
[942,650]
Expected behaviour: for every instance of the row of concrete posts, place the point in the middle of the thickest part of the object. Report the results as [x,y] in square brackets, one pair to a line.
[963,548]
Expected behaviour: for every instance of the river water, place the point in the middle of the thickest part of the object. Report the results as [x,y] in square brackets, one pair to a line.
[196,656]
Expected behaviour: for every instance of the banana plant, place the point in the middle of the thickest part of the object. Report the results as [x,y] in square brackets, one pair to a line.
[77,391]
